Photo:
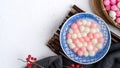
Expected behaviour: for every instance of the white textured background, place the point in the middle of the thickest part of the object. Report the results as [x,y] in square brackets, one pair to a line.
[27,25]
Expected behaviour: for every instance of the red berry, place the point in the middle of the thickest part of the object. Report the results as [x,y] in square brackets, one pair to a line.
[27,59]
[77,66]
[32,58]
[31,63]
[72,65]
[81,67]
[35,59]
[29,56]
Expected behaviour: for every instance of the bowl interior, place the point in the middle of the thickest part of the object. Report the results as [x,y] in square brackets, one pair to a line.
[81,59]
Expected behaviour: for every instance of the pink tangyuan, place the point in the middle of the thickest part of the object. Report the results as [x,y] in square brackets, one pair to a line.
[101,40]
[95,49]
[75,49]
[76,30]
[118,20]
[113,2]
[118,0]
[80,53]
[75,41]
[93,25]
[96,35]
[87,39]
[79,23]
[74,26]
[118,13]
[89,43]
[68,35]
[106,2]
[114,8]
[90,35]
[81,39]
[108,8]
[83,49]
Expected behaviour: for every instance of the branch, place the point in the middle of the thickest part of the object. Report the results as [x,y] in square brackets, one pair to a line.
[33,63]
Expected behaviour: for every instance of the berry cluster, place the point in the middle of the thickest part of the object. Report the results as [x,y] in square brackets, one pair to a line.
[30,60]
[76,66]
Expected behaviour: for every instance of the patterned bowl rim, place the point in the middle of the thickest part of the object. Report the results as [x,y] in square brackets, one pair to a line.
[108,35]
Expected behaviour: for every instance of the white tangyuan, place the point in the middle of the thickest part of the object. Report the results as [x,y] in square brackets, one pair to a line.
[74,36]
[85,44]
[87,29]
[81,28]
[70,31]
[90,48]
[72,46]
[99,46]
[92,53]
[69,41]
[97,30]
[112,14]
[118,5]
[100,34]
[84,22]
[86,53]
[84,34]
[79,35]
[94,41]
[88,23]
[79,45]
[92,30]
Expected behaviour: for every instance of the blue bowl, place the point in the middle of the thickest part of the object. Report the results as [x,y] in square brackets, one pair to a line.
[102,26]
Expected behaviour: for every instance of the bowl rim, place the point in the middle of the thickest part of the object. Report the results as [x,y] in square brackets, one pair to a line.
[108,41]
